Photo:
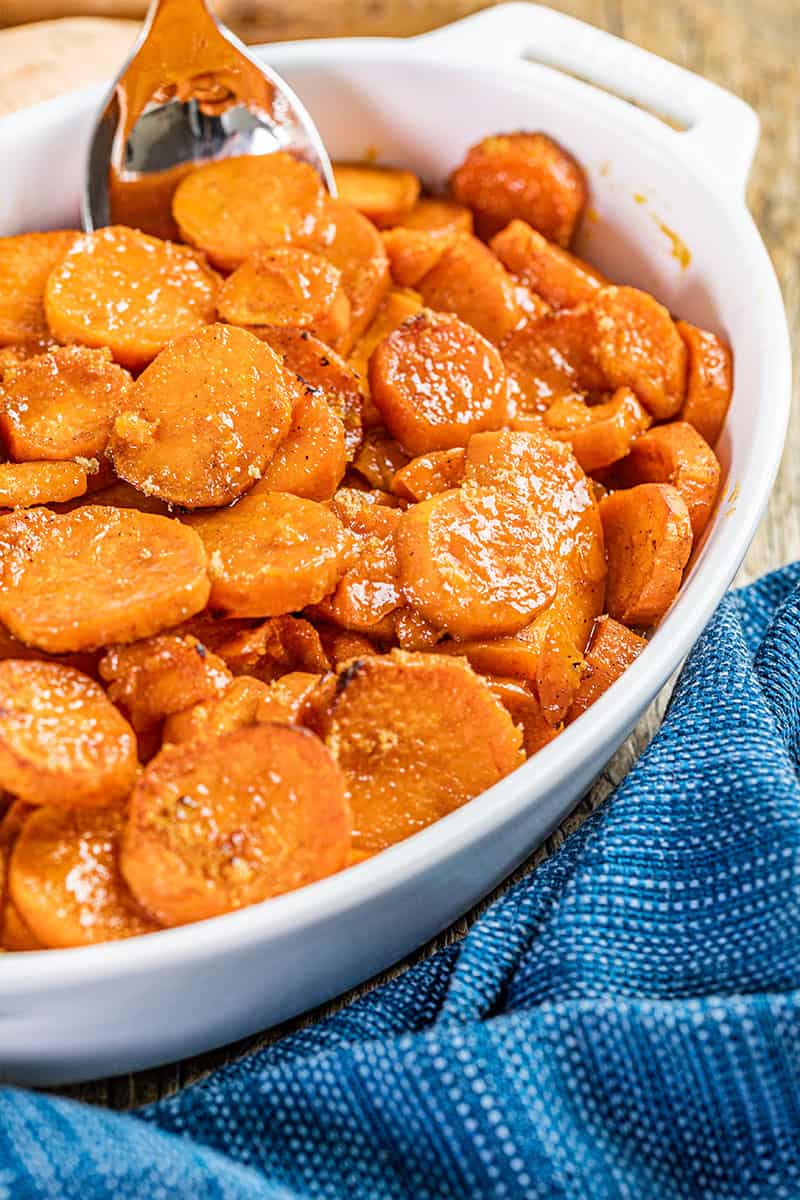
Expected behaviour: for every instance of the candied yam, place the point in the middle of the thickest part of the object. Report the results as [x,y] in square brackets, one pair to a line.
[396,307]
[648,537]
[159,676]
[235,206]
[368,591]
[560,278]
[429,474]
[25,265]
[14,933]
[289,288]
[61,404]
[384,194]
[599,434]
[312,458]
[320,368]
[236,707]
[436,214]
[472,561]
[522,175]
[271,554]
[342,645]
[224,822]
[287,699]
[273,648]
[470,282]
[129,291]
[525,711]
[120,494]
[558,672]
[62,741]
[413,632]
[25,484]
[414,252]
[203,420]
[436,381]
[353,244]
[379,459]
[676,453]
[65,882]
[612,649]
[417,735]
[79,580]
[516,656]
[709,382]
[638,346]
[549,359]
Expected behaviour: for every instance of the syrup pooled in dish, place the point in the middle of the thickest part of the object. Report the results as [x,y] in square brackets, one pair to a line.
[316,524]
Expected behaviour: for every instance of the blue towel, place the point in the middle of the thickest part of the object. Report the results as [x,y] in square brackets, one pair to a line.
[622,1023]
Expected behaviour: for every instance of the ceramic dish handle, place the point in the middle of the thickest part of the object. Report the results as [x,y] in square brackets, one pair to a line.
[714,124]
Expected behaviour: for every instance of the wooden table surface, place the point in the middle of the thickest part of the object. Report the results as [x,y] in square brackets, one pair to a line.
[749,46]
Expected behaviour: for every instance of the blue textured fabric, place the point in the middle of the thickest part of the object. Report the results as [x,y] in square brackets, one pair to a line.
[624,1022]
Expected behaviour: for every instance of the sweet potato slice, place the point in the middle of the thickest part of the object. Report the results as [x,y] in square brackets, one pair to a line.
[549,359]
[638,346]
[287,699]
[413,632]
[159,676]
[65,882]
[271,554]
[62,742]
[312,459]
[128,291]
[384,194]
[96,576]
[396,307]
[612,649]
[472,561]
[273,648]
[436,381]
[648,536]
[234,206]
[414,252]
[709,381]
[379,459]
[14,933]
[558,672]
[369,591]
[417,735]
[437,214]
[25,264]
[342,645]
[235,708]
[560,278]
[218,824]
[525,711]
[289,288]
[25,484]
[470,282]
[203,420]
[599,434]
[321,368]
[120,494]
[429,474]
[676,453]
[524,175]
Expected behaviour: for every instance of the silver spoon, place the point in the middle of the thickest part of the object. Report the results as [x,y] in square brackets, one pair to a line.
[189,92]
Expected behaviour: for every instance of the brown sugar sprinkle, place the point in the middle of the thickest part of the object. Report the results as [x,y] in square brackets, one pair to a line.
[318,522]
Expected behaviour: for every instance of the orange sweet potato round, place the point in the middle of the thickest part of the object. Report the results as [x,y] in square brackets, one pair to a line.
[236,707]
[430,474]
[384,194]
[648,536]
[288,699]
[379,458]
[25,484]
[271,648]
[25,264]
[65,882]
[234,206]
[414,252]
[159,676]
[436,381]
[561,279]
[599,434]
[676,453]
[289,288]
[202,421]
[637,345]
[62,741]
[270,554]
[709,383]
[436,214]
[128,291]
[417,735]
[524,175]
[612,649]
[312,458]
[525,710]
[97,575]
[369,590]
[224,822]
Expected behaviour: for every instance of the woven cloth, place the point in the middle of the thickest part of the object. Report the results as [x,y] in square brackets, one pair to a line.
[622,1023]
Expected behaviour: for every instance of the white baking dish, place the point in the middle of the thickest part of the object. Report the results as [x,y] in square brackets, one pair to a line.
[69,1015]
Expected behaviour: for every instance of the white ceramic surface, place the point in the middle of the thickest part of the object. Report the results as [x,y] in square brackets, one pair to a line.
[70,1015]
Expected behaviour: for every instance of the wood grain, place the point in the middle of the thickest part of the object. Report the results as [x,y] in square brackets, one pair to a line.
[750,47]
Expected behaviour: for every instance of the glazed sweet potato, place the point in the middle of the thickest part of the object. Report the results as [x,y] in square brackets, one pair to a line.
[709,382]
[342,645]
[272,648]
[523,175]
[203,420]
[435,382]
[379,459]
[235,708]
[120,494]
[288,699]
[62,742]
[612,649]
[430,474]
[159,676]
[25,264]
[414,252]
[437,214]
[130,292]
[224,822]
[560,278]
[271,554]
[525,711]
[676,453]
[384,194]
[395,307]
[312,458]
[25,484]
[96,576]
[417,735]
[648,536]
[289,288]
[234,206]
[368,592]
[413,632]
[599,434]
[65,882]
